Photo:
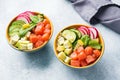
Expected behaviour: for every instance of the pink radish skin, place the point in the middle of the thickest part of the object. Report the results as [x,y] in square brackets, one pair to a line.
[95,32]
[92,35]
[82,31]
[86,29]
[24,18]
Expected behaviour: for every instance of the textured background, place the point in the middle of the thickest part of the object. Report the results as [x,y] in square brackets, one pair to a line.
[43,65]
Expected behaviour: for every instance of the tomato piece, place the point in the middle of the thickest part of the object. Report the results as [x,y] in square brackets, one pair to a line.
[74,55]
[38,44]
[89,50]
[45,22]
[47,31]
[75,63]
[39,29]
[45,36]
[33,38]
[90,59]
[81,48]
[48,26]
[40,38]
[83,63]
[97,53]
[82,55]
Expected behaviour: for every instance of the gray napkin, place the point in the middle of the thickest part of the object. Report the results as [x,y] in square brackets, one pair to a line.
[99,11]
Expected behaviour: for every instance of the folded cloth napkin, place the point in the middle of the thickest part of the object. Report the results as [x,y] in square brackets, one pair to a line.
[99,11]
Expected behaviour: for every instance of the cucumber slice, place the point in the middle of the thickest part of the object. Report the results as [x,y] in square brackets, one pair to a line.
[78,33]
[68,51]
[62,56]
[67,60]
[69,35]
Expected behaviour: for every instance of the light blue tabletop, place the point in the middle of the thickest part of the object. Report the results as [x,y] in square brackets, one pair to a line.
[44,65]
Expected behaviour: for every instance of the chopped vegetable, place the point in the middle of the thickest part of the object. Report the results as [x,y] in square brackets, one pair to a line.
[67,60]
[94,44]
[85,39]
[82,55]
[75,63]
[62,56]
[88,50]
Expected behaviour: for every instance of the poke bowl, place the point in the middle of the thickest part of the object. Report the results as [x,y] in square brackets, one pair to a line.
[29,31]
[79,46]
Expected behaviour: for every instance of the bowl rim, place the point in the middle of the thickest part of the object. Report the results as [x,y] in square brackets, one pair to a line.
[70,26]
[34,49]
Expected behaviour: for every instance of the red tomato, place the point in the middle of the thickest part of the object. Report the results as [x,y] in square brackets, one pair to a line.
[45,21]
[89,50]
[38,44]
[75,63]
[90,59]
[48,26]
[47,31]
[83,63]
[45,36]
[33,38]
[40,38]
[97,53]
[39,29]
[82,55]
[74,55]
[81,48]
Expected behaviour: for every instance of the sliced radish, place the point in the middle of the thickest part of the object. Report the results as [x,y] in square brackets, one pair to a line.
[24,18]
[92,35]
[95,32]
[83,30]
[86,29]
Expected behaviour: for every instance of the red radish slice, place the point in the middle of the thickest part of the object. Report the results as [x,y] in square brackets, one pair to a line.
[86,29]
[91,35]
[95,32]
[82,31]
[24,18]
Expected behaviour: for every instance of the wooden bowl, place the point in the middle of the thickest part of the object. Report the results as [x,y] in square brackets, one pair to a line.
[76,26]
[34,49]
